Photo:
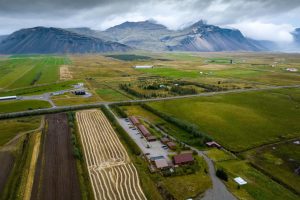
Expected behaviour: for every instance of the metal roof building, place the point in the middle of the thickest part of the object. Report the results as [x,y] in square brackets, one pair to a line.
[134,120]
[144,130]
[8,98]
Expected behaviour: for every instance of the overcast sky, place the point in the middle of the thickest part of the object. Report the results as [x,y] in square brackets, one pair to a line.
[258,19]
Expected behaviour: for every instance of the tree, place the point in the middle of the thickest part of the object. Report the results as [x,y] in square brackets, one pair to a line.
[222,174]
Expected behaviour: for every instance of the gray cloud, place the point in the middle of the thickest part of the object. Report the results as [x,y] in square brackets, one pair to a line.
[101,14]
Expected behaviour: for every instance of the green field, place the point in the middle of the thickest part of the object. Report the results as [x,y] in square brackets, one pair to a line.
[19,72]
[10,128]
[170,72]
[259,186]
[111,95]
[34,90]
[241,121]
[129,57]
[279,161]
[17,105]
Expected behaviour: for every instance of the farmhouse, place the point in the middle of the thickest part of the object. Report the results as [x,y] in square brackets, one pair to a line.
[8,98]
[182,159]
[134,120]
[213,144]
[143,67]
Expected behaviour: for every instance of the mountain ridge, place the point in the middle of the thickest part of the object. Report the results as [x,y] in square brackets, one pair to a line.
[55,40]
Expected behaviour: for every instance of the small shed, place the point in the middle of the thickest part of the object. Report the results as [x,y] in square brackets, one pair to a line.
[182,159]
[165,140]
[151,138]
[161,164]
[213,144]
[240,181]
[172,145]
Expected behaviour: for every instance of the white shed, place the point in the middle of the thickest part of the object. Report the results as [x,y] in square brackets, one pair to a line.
[240,181]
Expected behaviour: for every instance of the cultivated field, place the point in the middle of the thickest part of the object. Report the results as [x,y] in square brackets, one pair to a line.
[112,174]
[56,175]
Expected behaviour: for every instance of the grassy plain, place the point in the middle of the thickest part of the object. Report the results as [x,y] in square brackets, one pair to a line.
[241,121]
[259,186]
[17,105]
[279,161]
[10,128]
[19,72]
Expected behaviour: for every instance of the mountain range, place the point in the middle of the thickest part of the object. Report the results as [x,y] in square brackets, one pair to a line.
[145,35]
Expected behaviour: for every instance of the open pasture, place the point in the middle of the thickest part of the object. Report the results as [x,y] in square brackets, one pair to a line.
[29,71]
[280,161]
[11,127]
[112,174]
[241,121]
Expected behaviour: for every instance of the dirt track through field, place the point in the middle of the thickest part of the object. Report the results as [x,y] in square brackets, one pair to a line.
[57,178]
[112,174]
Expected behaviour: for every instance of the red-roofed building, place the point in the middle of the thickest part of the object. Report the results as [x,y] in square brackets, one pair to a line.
[144,130]
[182,159]
[134,120]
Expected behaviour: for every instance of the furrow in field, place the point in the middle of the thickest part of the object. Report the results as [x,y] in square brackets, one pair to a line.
[112,174]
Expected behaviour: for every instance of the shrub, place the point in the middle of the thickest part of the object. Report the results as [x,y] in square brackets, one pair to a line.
[222,174]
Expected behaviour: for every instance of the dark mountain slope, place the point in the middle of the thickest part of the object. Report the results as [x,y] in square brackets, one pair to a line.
[54,40]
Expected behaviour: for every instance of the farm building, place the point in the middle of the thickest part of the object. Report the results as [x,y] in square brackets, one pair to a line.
[143,67]
[165,140]
[161,163]
[8,98]
[151,138]
[171,145]
[182,159]
[213,144]
[80,92]
[144,130]
[134,120]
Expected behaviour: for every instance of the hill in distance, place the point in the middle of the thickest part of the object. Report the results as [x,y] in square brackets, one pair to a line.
[55,40]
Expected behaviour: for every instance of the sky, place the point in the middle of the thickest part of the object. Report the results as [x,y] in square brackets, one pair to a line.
[258,19]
